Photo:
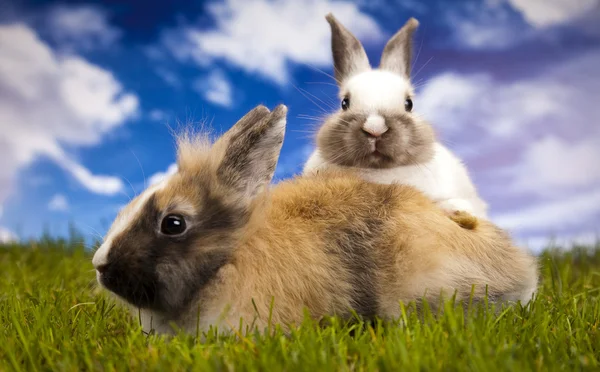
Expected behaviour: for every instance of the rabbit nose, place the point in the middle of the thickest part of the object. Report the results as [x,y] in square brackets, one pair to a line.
[373,134]
[375,126]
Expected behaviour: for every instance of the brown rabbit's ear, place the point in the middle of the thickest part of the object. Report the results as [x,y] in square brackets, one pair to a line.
[250,150]
[349,57]
[397,53]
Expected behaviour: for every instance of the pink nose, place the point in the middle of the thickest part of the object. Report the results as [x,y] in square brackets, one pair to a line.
[375,126]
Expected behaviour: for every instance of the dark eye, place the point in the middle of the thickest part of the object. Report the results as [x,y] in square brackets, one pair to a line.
[173,224]
[408,105]
[345,103]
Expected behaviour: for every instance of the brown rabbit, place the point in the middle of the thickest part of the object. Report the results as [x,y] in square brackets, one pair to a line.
[213,243]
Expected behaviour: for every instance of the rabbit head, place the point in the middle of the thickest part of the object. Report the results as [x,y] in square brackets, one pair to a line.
[375,126]
[172,239]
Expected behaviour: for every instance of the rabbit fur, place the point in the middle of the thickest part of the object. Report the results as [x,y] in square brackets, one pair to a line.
[331,243]
[377,133]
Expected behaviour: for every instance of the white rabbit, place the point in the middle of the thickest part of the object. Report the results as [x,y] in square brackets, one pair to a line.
[376,131]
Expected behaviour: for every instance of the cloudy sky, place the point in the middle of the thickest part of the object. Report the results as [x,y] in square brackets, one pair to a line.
[90,93]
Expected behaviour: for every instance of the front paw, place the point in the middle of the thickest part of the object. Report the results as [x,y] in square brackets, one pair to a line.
[461,212]
[463,219]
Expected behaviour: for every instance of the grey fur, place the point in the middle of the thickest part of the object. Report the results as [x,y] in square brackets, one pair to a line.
[349,56]
[397,54]
[253,151]
[342,141]
[408,141]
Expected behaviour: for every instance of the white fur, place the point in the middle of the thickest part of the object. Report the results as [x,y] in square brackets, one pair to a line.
[444,179]
[374,90]
[124,219]
[375,125]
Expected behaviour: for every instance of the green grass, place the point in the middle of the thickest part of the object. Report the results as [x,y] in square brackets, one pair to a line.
[52,317]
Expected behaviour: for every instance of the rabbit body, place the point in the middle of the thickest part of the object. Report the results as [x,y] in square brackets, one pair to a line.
[377,132]
[443,178]
[213,243]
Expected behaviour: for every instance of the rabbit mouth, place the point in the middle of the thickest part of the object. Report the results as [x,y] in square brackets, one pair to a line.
[374,146]
[139,289]
[377,149]
[376,157]
[377,154]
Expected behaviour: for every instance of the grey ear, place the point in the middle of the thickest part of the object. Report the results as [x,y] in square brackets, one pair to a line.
[349,56]
[252,150]
[397,53]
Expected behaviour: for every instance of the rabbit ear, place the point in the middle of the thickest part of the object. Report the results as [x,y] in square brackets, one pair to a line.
[349,56]
[251,150]
[397,53]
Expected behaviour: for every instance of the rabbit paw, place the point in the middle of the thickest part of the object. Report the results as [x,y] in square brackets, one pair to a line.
[460,211]
[463,219]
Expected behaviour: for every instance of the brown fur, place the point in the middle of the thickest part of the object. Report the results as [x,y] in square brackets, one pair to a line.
[330,243]
[410,250]
[464,220]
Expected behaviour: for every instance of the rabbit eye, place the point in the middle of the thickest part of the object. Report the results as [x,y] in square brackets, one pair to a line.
[408,105]
[345,103]
[173,224]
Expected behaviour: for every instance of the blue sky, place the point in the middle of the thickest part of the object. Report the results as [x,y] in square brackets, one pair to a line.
[91,91]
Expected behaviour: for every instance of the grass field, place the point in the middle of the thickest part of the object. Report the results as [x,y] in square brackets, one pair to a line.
[53,317]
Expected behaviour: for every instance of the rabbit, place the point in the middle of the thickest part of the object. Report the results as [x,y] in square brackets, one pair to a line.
[377,132]
[217,245]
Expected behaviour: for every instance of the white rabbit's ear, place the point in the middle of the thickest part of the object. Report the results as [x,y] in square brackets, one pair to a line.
[349,57]
[250,151]
[397,53]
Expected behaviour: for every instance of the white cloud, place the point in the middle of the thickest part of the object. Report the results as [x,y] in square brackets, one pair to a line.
[502,109]
[449,96]
[104,185]
[159,176]
[484,25]
[58,203]
[553,216]
[94,95]
[538,243]
[555,164]
[262,36]
[492,24]
[559,100]
[215,88]
[531,144]
[81,27]
[48,100]
[7,236]
[542,13]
